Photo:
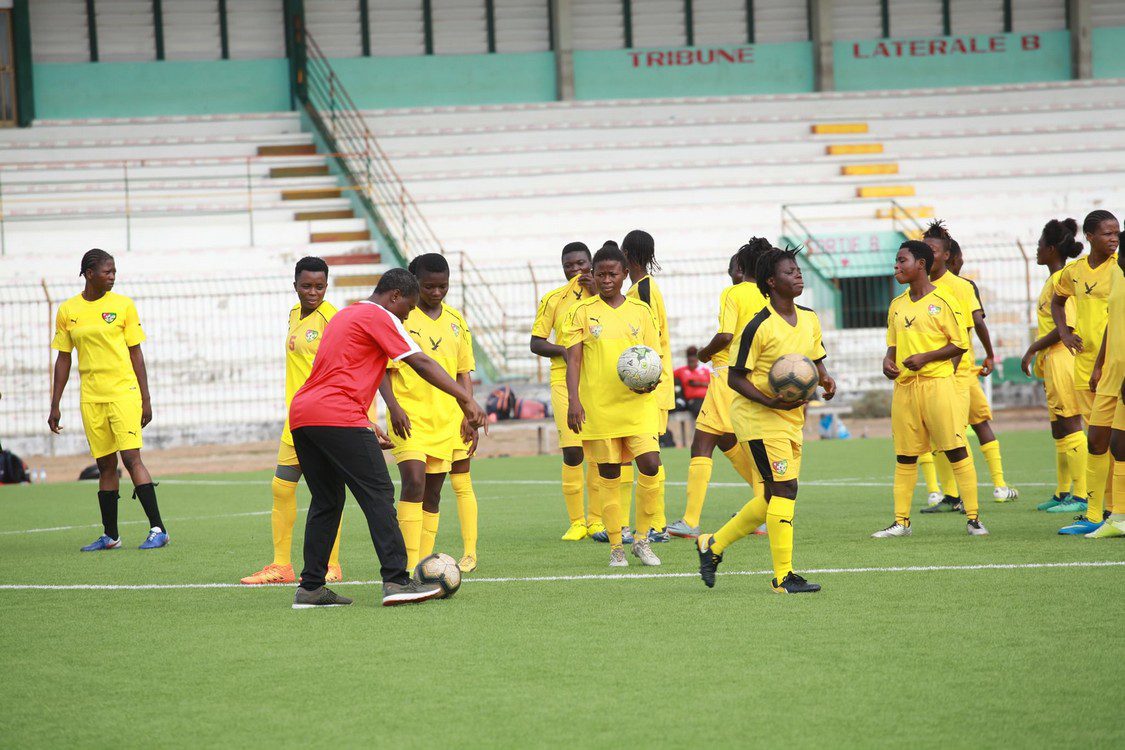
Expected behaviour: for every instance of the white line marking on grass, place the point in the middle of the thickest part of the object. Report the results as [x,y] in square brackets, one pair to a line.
[142,523]
[539,482]
[590,577]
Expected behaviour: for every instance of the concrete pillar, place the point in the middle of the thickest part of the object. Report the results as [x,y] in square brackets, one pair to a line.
[1080,19]
[820,24]
[562,42]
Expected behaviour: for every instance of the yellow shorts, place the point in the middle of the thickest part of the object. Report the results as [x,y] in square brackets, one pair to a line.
[560,403]
[113,426]
[1058,383]
[1102,410]
[1085,400]
[714,415]
[663,421]
[926,415]
[286,454]
[434,464]
[973,402]
[778,458]
[620,450]
[1119,417]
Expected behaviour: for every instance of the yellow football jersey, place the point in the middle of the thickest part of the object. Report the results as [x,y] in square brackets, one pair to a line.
[1090,289]
[102,331]
[645,290]
[924,326]
[1113,370]
[964,293]
[1045,323]
[550,317]
[739,304]
[767,337]
[300,349]
[435,417]
[612,410]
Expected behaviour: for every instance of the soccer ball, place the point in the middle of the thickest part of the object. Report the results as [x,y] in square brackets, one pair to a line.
[639,367]
[793,377]
[441,569]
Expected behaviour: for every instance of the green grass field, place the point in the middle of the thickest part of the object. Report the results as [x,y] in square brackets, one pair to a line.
[885,657]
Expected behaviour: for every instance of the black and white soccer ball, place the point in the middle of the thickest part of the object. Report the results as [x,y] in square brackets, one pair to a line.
[639,367]
[441,569]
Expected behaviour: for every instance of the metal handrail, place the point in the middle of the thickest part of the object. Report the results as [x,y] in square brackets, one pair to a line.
[392,208]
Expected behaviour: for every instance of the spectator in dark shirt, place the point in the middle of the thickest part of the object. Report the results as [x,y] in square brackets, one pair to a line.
[692,380]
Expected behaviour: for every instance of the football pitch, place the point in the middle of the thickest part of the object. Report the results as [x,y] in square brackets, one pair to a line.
[938,640]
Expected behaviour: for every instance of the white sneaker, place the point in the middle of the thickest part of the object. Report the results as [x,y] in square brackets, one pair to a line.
[895,529]
[934,499]
[643,552]
[975,528]
[617,557]
[1005,494]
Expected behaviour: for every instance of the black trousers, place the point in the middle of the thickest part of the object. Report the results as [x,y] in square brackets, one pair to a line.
[332,458]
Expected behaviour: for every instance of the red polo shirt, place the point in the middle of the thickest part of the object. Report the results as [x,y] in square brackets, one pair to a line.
[685,375]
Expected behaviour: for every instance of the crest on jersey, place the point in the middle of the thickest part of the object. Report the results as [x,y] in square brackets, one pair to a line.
[455,328]
[635,331]
[596,330]
[311,336]
[780,467]
[935,310]
[109,317]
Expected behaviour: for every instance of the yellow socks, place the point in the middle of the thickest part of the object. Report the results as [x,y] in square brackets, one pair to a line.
[1098,468]
[991,452]
[284,516]
[410,523]
[1119,483]
[429,534]
[571,488]
[648,498]
[467,508]
[929,472]
[698,477]
[625,503]
[779,521]
[966,474]
[594,515]
[334,555]
[743,524]
[946,475]
[610,490]
[740,459]
[1062,467]
[906,476]
[659,516]
[1077,458]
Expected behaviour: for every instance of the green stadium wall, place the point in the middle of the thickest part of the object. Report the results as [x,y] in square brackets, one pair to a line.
[965,60]
[1109,62]
[718,70]
[142,89]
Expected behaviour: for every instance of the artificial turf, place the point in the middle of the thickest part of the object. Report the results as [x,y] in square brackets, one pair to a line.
[887,658]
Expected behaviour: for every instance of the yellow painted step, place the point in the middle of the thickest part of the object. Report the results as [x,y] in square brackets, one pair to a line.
[837,128]
[906,212]
[367,280]
[913,234]
[885,191]
[858,169]
[844,149]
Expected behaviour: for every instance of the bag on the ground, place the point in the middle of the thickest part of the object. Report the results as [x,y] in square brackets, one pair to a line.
[12,469]
[501,402]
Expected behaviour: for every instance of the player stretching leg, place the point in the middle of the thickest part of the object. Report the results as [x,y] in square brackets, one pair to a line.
[617,424]
[115,404]
[1109,377]
[307,321]
[1088,280]
[427,430]
[338,446]
[576,263]
[738,304]
[769,425]
[1054,363]
[925,332]
[640,254]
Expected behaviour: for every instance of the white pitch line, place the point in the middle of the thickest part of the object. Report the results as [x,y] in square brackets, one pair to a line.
[539,482]
[590,577]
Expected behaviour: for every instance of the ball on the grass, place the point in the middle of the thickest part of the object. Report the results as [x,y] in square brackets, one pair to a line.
[639,367]
[441,569]
[793,377]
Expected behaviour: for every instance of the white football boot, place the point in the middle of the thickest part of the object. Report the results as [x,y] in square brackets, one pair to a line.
[643,552]
[895,529]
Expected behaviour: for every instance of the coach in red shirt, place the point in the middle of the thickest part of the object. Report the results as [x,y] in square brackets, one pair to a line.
[692,381]
[337,446]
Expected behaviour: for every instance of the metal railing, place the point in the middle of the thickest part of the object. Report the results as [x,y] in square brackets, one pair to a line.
[388,202]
